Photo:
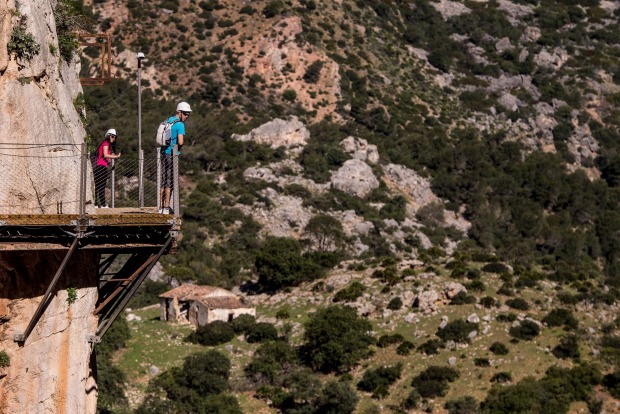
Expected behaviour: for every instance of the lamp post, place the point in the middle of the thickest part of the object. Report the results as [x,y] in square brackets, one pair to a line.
[140,57]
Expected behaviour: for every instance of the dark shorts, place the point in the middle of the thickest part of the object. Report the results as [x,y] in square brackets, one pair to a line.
[166,171]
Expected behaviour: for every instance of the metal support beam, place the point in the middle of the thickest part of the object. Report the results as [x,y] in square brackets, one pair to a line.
[128,294]
[48,295]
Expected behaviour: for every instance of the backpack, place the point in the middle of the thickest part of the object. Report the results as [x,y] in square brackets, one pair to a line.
[163,133]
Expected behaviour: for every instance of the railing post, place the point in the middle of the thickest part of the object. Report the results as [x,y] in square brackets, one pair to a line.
[83,165]
[175,171]
[158,156]
[141,177]
[112,185]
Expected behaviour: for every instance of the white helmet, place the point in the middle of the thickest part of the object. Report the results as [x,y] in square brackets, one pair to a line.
[111,131]
[184,107]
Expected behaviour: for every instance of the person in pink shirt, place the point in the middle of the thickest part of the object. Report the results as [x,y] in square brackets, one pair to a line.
[106,152]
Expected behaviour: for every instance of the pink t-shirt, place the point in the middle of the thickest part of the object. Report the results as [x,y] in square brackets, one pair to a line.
[101,160]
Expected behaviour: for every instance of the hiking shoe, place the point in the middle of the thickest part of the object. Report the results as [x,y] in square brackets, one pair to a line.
[165,210]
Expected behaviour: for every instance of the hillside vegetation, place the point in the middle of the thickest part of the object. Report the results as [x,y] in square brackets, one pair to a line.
[485,133]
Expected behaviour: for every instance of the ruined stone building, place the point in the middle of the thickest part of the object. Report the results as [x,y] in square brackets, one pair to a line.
[200,305]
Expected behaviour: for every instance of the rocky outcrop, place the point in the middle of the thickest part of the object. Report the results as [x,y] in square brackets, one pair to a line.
[39,121]
[360,149]
[40,149]
[416,188]
[278,133]
[355,177]
[51,371]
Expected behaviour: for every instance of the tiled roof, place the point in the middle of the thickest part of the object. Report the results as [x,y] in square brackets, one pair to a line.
[222,302]
[195,292]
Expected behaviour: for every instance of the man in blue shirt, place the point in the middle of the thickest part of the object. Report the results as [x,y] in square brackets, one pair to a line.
[177,137]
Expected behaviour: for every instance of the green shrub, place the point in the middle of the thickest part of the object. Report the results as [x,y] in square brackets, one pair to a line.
[395,304]
[249,10]
[273,8]
[350,293]
[457,331]
[335,339]
[243,323]
[380,377]
[386,340]
[567,348]
[495,268]
[405,348]
[506,317]
[411,401]
[313,72]
[261,332]
[5,361]
[501,377]
[283,313]
[432,346]
[498,348]
[488,302]
[271,362]
[482,362]
[462,298]
[518,303]
[561,317]
[22,44]
[279,264]
[433,381]
[214,333]
[526,330]
[289,95]
[463,405]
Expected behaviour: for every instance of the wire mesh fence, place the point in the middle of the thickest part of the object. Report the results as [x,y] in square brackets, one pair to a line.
[47,179]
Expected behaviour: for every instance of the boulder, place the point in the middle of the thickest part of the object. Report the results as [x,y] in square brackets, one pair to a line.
[452,289]
[355,177]
[360,150]
[427,301]
[286,133]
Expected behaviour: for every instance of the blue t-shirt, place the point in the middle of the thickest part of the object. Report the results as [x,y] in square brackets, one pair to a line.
[177,128]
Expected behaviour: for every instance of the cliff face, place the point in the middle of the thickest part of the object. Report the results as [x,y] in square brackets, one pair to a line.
[41,132]
[40,145]
[50,372]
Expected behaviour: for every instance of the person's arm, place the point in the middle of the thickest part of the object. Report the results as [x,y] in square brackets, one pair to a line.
[180,140]
[106,153]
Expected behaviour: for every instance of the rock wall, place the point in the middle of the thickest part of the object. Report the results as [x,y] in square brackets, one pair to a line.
[40,146]
[50,372]
[41,133]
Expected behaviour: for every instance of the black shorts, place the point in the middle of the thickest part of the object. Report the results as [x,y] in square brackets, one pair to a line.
[166,171]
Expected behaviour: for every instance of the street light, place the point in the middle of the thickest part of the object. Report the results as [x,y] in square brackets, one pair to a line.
[140,57]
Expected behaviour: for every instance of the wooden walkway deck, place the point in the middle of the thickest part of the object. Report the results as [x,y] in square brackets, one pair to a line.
[106,229]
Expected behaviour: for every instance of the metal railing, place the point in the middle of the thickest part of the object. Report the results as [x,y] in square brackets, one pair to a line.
[63,179]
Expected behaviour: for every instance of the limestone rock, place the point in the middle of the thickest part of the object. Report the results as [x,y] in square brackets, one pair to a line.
[473,318]
[360,150]
[417,188]
[552,60]
[278,133]
[355,177]
[427,301]
[452,289]
[40,122]
[50,371]
[449,9]
[531,34]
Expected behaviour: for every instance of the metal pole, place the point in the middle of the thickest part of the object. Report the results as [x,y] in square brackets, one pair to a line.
[113,184]
[48,294]
[83,163]
[175,180]
[159,204]
[140,154]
